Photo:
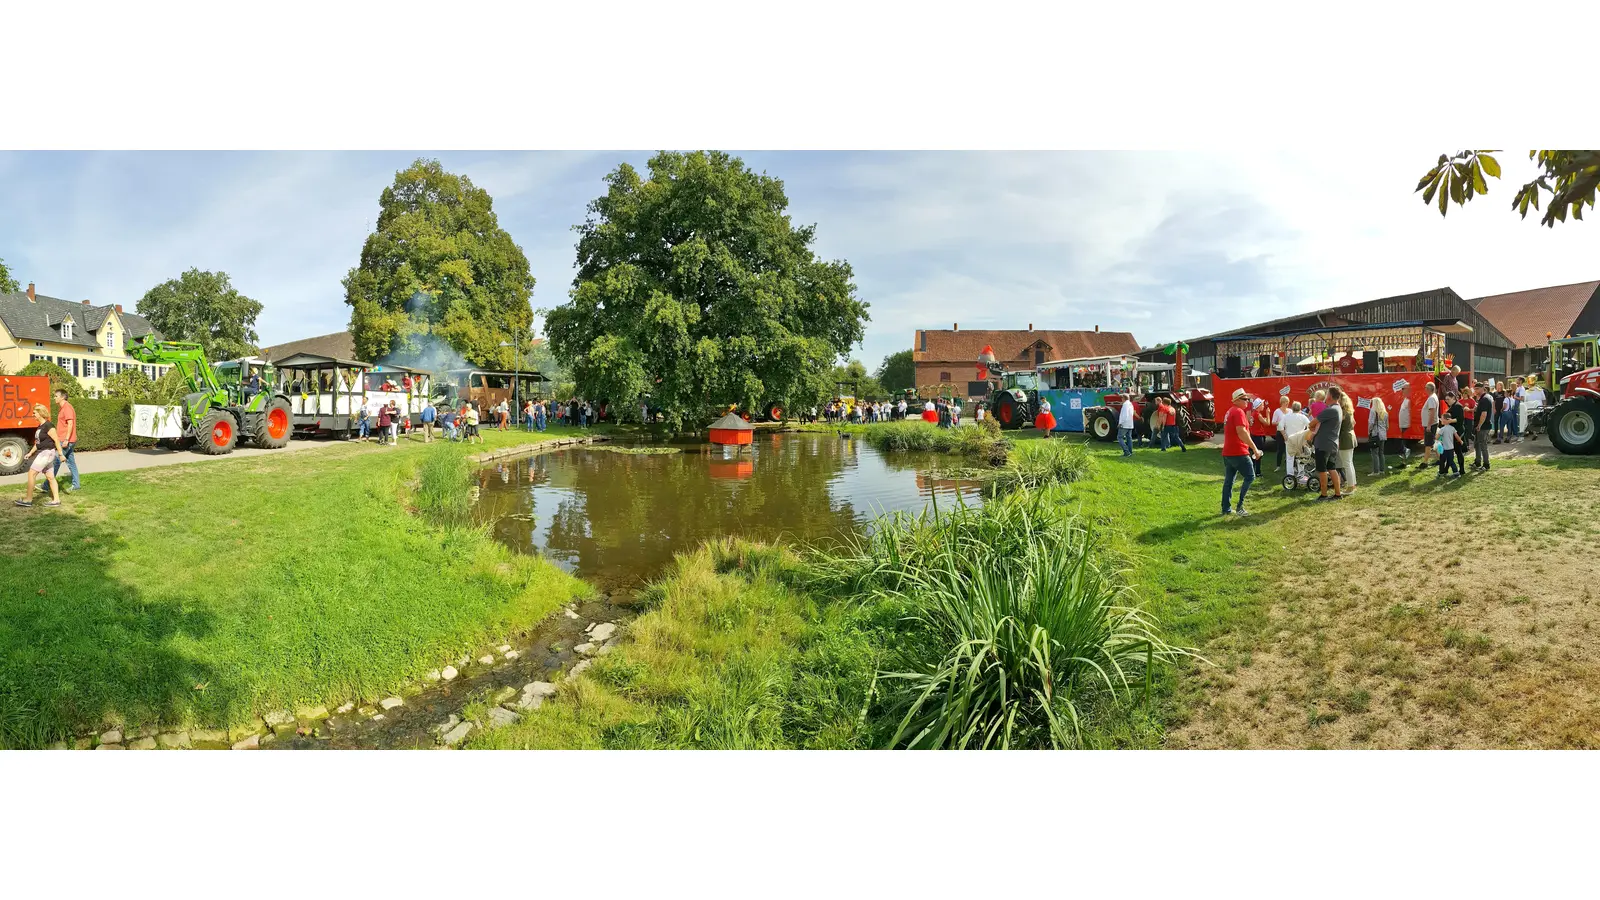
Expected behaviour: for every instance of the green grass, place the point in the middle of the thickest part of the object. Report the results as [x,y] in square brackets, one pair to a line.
[200,595]
[917,435]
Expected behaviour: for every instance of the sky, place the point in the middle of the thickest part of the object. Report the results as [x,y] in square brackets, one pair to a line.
[1166,245]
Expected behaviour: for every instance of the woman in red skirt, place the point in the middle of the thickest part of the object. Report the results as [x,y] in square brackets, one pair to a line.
[1045,421]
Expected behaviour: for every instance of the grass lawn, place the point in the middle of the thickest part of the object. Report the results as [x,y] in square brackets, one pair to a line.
[201,595]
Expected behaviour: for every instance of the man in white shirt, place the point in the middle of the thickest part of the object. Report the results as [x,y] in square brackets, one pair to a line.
[1404,420]
[1532,402]
[1277,426]
[1430,426]
[1125,428]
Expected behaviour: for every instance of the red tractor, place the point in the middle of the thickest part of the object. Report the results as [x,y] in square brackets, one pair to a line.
[1196,408]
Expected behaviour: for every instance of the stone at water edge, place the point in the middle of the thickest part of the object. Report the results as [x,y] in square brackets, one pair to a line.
[433,675]
[174,741]
[311,712]
[570,614]
[504,648]
[500,717]
[391,702]
[209,736]
[449,673]
[253,742]
[486,660]
[379,717]
[114,736]
[143,744]
[278,720]
[605,649]
[512,654]
[578,669]
[447,724]
[111,747]
[603,631]
[465,660]
[504,694]
[583,649]
[458,734]
[367,712]
[268,738]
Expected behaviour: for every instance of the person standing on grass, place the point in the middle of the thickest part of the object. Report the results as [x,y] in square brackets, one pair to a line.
[394,423]
[1323,434]
[428,415]
[471,416]
[1347,439]
[46,446]
[1482,428]
[1239,453]
[1461,423]
[1260,427]
[1446,446]
[1293,423]
[1430,427]
[67,425]
[1377,433]
[1284,408]
[1167,416]
[1125,427]
[383,422]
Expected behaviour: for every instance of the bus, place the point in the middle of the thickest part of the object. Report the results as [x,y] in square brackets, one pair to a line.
[487,387]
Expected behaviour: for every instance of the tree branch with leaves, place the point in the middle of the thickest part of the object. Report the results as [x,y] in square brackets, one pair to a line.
[1568,182]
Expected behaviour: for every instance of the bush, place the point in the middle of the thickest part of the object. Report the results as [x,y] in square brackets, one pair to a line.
[1034,464]
[60,379]
[131,384]
[103,424]
[443,482]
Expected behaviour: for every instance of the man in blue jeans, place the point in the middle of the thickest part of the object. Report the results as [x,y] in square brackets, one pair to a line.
[67,427]
[1238,453]
[1125,427]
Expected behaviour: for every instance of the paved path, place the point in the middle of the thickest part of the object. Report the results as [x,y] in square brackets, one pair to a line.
[145,457]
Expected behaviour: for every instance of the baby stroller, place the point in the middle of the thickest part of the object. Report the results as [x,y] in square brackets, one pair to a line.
[1302,474]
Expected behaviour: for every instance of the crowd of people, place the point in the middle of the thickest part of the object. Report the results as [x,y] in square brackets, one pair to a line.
[860,413]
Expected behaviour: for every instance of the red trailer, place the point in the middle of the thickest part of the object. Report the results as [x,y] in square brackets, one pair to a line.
[18,394]
[1391,361]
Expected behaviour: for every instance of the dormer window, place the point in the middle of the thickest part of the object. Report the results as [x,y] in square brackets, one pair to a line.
[66,329]
[111,338]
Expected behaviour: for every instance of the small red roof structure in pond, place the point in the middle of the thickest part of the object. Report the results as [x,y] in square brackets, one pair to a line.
[730,429]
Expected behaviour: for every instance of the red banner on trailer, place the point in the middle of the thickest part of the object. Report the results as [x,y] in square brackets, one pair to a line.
[1360,386]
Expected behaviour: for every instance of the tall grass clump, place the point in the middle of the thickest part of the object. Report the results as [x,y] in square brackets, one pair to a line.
[1033,464]
[924,436]
[443,493]
[1018,618]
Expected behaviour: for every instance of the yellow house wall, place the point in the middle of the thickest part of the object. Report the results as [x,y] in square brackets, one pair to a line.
[14,354]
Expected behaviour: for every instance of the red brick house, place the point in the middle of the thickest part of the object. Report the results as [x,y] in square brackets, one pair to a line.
[948,358]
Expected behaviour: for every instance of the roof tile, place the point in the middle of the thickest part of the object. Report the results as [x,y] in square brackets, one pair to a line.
[1526,316]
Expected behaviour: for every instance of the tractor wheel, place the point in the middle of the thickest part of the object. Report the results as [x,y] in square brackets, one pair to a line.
[12,452]
[218,433]
[774,412]
[1102,427]
[270,428]
[1008,412]
[1203,409]
[1573,426]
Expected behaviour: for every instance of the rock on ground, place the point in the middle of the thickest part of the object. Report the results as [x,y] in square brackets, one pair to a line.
[114,736]
[578,669]
[512,654]
[443,727]
[391,702]
[449,673]
[533,694]
[504,694]
[584,649]
[278,717]
[486,659]
[178,741]
[458,734]
[253,742]
[570,614]
[499,717]
[504,648]
[311,712]
[433,675]
[345,708]
[111,747]
[603,631]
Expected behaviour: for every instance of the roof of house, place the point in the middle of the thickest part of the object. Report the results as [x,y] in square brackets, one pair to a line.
[40,319]
[339,345]
[1527,316]
[962,346]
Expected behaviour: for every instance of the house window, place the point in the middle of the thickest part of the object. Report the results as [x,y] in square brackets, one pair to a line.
[40,344]
[111,338]
[924,346]
[1038,357]
[35,357]
[66,329]
[944,377]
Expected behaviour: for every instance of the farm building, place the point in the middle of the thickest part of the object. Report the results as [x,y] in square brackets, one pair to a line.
[1484,350]
[947,359]
[1531,318]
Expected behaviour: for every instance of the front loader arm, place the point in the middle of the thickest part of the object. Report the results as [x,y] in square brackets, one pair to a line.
[189,358]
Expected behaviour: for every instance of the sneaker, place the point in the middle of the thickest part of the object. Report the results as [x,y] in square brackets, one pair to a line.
[1335,496]
[1456,475]
[71,489]
[1240,512]
[24,502]
[52,503]
[1321,498]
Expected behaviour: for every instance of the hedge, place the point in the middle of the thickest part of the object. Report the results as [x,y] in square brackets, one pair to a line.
[103,424]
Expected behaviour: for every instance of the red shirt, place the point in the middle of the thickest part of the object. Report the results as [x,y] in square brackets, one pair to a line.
[1232,444]
[1169,414]
[67,423]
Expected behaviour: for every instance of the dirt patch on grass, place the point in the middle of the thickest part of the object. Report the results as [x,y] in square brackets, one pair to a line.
[1423,614]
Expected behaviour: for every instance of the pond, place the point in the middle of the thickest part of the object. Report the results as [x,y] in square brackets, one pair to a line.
[615,519]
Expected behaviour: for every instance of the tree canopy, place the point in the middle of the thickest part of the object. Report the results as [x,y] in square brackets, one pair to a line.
[856,381]
[695,288]
[1568,181]
[898,372]
[439,277]
[203,307]
[8,285]
[60,379]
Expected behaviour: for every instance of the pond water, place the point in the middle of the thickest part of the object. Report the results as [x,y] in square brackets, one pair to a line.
[615,519]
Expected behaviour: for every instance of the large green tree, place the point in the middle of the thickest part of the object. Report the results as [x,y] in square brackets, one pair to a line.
[439,277]
[203,307]
[8,285]
[852,378]
[694,287]
[1568,181]
[898,372]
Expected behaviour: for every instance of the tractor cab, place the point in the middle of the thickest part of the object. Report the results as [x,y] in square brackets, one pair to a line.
[1568,356]
[234,376]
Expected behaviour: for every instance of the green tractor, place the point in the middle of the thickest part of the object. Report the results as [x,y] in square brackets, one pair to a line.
[1015,403]
[221,404]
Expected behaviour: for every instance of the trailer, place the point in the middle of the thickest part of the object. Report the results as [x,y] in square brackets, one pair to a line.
[1391,361]
[1104,384]
[18,394]
[325,393]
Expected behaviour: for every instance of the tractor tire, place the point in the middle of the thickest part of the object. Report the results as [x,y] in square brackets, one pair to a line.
[1575,426]
[1204,410]
[1101,426]
[774,412]
[13,451]
[218,433]
[271,428]
[1009,413]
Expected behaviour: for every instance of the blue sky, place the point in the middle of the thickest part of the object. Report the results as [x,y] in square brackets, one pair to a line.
[1165,245]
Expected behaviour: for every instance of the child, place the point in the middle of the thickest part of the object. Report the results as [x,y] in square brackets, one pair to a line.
[1446,445]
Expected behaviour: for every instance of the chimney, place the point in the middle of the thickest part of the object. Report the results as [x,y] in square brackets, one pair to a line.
[119,309]
[1097,329]
[85,303]
[1030,326]
[955,326]
[32,297]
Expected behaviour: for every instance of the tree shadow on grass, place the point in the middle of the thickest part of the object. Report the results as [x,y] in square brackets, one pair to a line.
[81,650]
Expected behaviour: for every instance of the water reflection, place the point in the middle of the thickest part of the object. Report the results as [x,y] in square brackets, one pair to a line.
[616,519]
